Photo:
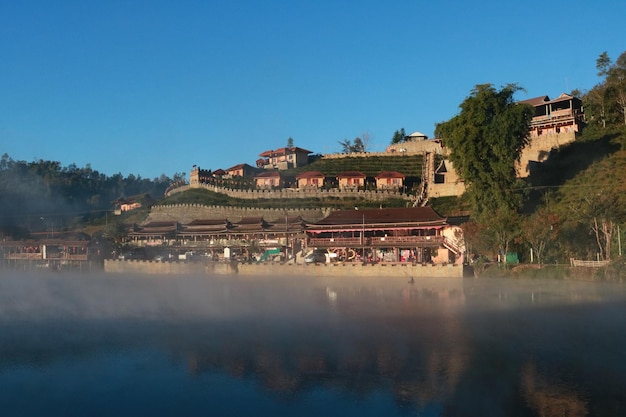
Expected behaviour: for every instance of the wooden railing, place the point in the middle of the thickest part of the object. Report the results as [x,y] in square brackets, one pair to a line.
[588,264]
[376,241]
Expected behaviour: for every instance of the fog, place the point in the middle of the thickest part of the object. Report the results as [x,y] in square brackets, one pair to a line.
[366,346]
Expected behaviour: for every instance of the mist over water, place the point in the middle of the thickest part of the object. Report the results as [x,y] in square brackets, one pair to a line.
[78,344]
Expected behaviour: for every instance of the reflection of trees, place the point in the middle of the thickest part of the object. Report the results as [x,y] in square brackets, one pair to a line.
[550,400]
[382,344]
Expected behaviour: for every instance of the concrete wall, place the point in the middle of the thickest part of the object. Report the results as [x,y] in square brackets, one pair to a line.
[382,270]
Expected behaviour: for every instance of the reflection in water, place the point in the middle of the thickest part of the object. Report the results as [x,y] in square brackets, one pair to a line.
[184,346]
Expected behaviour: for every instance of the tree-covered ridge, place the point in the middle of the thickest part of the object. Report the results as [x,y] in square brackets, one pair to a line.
[39,189]
[605,103]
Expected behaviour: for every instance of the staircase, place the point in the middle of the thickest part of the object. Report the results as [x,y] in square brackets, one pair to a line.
[428,173]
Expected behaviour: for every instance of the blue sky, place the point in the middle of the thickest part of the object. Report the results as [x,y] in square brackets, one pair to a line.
[154,87]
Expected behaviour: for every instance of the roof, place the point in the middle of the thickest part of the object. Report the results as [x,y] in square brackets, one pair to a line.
[417,134]
[388,216]
[311,174]
[268,174]
[205,226]
[155,228]
[207,222]
[284,151]
[239,166]
[390,174]
[536,101]
[351,174]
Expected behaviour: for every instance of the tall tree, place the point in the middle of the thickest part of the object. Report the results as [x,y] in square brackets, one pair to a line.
[485,141]
[290,142]
[603,64]
[399,136]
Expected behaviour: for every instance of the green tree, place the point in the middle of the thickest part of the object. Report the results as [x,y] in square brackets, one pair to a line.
[603,64]
[290,142]
[347,146]
[485,141]
[399,136]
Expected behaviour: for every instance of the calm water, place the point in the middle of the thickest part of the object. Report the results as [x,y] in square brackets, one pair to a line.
[106,345]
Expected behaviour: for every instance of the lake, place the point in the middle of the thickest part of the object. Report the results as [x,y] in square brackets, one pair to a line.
[113,345]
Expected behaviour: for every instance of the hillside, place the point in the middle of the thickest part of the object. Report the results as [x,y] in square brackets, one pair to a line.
[409,165]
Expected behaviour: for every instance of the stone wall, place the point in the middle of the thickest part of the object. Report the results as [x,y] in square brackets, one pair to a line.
[539,149]
[185,213]
[294,193]
[338,270]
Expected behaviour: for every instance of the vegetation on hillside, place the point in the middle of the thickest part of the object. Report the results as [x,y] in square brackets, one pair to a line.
[210,198]
[572,206]
[41,195]
[409,165]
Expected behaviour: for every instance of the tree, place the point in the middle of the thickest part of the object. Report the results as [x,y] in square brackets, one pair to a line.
[539,229]
[603,64]
[485,141]
[347,146]
[290,142]
[398,136]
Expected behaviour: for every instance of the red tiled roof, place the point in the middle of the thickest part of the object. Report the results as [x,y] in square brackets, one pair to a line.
[351,174]
[268,174]
[239,166]
[283,151]
[382,216]
[310,174]
[390,174]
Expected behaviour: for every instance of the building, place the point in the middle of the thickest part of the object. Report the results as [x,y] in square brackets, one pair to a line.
[555,123]
[62,250]
[351,179]
[269,180]
[561,115]
[284,158]
[310,179]
[390,180]
[199,176]
[241,170]
[417,235]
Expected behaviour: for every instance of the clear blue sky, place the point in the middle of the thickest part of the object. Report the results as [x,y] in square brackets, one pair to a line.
[153,87]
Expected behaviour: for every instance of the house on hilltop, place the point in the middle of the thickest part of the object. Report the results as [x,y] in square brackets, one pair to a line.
[241,170]
[284,158]
[555,123]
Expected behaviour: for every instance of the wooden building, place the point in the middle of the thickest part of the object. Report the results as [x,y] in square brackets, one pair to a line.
[416,234]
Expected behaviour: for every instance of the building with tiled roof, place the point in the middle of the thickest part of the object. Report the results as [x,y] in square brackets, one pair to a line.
[310,179]
[351,179]
[387,180]
[416,234]
[284,158]
[269,179]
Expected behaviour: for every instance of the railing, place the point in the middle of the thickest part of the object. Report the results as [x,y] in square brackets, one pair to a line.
[35,255]
[588,264]
[376,241]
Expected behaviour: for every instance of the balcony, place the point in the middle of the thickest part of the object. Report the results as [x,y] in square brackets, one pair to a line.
[387,241]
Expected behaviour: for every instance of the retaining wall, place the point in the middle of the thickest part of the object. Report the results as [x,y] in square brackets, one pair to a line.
[381,270]
[185,213]
[295,193]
